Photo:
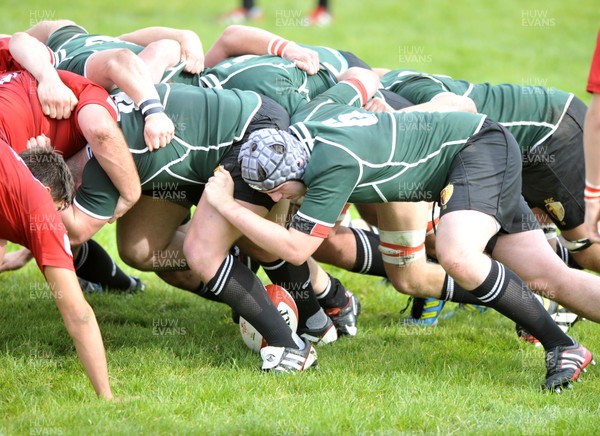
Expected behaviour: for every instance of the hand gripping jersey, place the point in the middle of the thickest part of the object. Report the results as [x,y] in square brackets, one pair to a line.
[27,214]
[207,123]
[363,157]
[21,116]
[531,113]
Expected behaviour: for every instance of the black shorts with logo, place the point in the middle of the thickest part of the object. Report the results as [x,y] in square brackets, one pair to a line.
[554,172]
[486,176]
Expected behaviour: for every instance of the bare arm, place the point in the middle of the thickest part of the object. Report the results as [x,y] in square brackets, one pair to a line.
[444,102]
[81,324]
[56,99]
[239,40]
[80,226]
[121,67]
[109,147]
[591,143]
[42,30]
[15,259]
[291,245]
[190,45]
[369,79]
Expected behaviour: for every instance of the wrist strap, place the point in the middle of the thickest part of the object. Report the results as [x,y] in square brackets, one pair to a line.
[592,192]
[150,106]
[277,46]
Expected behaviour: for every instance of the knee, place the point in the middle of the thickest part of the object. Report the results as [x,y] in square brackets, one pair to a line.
[135,258]
[408,285]
[454,263]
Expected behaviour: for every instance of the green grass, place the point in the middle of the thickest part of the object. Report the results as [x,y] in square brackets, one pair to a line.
[468,375]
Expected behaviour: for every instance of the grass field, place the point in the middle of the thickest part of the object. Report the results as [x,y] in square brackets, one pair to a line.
[178,362]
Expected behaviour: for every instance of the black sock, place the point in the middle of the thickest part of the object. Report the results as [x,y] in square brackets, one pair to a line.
[368,258]
[566,255]
[334,295]
[504,291]
[296,280]
[95,265]
[451,291]
[238,287]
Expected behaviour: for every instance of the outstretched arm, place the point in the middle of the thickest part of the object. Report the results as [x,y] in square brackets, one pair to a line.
[81,324]
[239,40]
[56,99]
[191,47]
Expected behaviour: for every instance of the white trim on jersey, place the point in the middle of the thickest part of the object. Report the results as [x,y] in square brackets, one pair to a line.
[172,71]
[551,132]
[88,212]
[316,221]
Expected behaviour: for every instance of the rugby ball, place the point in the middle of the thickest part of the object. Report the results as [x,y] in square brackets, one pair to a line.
[286,306]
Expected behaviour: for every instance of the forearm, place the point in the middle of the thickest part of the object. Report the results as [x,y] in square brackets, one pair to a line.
[445,102]
[238,40]
[43,29]
[128,72]
[2,250]
[118,164]
[81,324]
[111,151]
[33,56]
[152,34]
[268,235]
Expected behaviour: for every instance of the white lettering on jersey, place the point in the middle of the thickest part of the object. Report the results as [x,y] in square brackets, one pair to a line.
[8,77]
[100,39]
[124,103]
[354,118]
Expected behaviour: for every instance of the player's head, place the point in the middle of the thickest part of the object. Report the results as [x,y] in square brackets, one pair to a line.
[271,157]
[51,170]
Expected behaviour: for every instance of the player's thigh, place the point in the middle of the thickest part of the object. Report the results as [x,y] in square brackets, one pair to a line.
[529,256]
[463,233]
[210,237]
[279,214]
[148,226]
[402,216]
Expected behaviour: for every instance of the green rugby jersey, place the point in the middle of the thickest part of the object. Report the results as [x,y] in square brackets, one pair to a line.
[73,45]
[531,113]
[272,76]
[363,157]
[207,123]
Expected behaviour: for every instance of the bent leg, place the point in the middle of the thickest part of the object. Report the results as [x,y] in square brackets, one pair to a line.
[528,254]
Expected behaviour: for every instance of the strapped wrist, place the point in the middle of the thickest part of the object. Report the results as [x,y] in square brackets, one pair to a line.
[150,106]
[592,192]
[277,46]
